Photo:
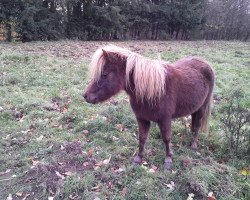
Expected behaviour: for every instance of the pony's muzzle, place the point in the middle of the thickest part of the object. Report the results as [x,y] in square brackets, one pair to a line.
[90,98]
[85,96]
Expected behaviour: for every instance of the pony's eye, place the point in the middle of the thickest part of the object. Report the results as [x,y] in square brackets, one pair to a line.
[105,74]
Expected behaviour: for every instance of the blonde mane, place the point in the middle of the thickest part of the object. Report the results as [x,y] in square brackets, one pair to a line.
[149,75]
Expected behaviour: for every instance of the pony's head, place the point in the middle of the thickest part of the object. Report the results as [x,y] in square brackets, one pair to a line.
[113,68]
[107,70]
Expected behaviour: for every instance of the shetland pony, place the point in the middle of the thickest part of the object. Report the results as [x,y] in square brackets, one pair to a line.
[158,91]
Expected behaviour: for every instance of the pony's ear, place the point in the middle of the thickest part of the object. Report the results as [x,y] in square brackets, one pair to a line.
[110,56]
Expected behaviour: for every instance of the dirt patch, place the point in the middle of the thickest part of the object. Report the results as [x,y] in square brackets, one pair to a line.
[49,178]
[62,104]
[59,104]
[17,114]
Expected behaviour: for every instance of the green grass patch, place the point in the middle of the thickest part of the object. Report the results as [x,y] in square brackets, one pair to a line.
[53,144]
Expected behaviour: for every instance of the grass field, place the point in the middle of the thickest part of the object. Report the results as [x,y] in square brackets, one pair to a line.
[56,146]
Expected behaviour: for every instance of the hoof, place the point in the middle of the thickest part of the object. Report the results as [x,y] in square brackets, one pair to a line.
[136,161]
[168,163]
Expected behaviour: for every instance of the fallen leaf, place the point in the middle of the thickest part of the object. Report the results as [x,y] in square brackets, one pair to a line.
[51,192]
[211,196]
[86,132]
[153,169]
[106,161]
[35,162]
[138,182]
[98,164]
[19,194]
[109,185]
[1,109]
[177,145]
[59,175]
[117,170]
[144,163]
[120,170]
[62,147]
[65,109]
[190,196]
[21,119]
[27,131]
[171,185]
[96,188]
[115,138]
[40,138]
[120,127]
[9,197]
[124,191]
[245,171]
[73,196]
[90,152]
[7,171]
[7,137]
[86,139]
[67,173]
[104,118]
[85,164]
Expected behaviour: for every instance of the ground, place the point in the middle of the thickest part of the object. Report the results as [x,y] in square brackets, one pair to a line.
[56,146]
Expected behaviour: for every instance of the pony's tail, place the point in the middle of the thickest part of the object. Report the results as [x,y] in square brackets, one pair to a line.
[205,118]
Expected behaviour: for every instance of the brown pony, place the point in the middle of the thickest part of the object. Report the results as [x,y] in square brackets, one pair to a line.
[158,91]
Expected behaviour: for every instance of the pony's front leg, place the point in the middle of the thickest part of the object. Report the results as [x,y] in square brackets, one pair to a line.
[165,127]
[144,126]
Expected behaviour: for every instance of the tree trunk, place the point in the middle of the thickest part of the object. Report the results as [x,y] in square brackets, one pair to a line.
[156,31]
[152,31]
[8,29]
[182,34]
[177,34]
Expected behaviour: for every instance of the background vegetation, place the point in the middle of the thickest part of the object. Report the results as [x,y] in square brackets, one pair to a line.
[31,20]
[56,146]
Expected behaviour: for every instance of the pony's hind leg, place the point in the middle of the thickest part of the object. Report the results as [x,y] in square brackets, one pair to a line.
[144,126]
[195,126]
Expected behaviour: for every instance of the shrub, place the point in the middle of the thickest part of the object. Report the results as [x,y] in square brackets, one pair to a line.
[235,120]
